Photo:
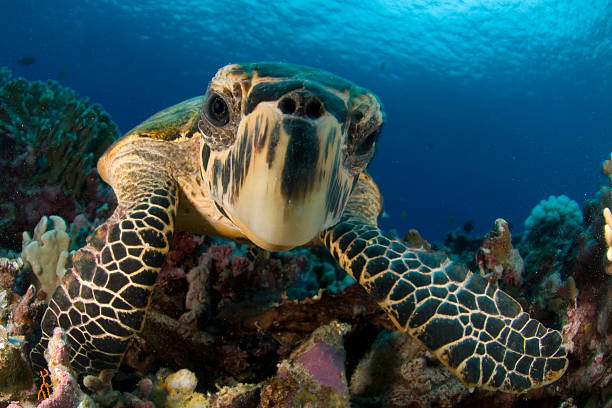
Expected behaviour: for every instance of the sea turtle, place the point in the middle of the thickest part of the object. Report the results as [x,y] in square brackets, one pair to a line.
[275,154]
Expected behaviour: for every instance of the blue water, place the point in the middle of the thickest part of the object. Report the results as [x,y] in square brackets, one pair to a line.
[491,105]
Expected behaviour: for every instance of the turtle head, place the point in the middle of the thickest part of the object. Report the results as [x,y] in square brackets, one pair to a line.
[284,146]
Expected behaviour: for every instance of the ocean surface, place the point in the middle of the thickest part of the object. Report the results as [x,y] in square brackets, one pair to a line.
[491,105]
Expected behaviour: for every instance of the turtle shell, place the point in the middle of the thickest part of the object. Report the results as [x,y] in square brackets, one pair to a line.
[173,122]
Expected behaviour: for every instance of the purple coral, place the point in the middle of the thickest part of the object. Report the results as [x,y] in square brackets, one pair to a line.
[23,314]
[313,375]
[325,363]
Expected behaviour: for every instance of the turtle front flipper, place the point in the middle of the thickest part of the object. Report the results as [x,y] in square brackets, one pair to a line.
[102,301]
[473,327]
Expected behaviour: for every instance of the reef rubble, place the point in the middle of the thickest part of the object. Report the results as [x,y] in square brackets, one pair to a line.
[285,329]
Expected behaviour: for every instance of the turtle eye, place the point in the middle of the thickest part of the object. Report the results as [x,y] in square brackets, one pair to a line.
[366,144]
[216,110]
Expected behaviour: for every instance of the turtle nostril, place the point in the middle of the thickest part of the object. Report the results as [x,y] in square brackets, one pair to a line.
[314,108]
[287,105]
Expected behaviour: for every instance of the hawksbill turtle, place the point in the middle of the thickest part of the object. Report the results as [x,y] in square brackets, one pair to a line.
[275,154]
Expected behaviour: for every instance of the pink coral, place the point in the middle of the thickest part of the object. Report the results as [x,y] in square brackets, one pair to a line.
[197,279]
[197,298]
[239,277]
[241,265]
[313,375]
[168,277]
[183,245]
[144,388]
[221,255]
[132,401]
[325,363]
[66,392]
[23,314]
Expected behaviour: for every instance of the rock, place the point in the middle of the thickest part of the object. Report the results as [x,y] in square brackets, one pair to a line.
[15,372]
[313,375]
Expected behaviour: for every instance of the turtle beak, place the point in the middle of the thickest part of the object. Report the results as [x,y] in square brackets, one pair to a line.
[290,183]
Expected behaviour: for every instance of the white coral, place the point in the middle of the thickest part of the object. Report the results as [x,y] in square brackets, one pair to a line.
[180,387]
[608,232]
[47,252]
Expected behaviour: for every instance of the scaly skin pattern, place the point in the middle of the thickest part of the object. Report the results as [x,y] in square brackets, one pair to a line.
[472,326]
[102,301]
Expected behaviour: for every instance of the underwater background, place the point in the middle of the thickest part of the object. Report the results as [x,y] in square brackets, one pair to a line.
[491,105]
[495,109]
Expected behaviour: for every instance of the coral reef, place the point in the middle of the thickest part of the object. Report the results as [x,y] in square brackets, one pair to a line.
[50,142]
[258,337]
[268,305]
[229,326]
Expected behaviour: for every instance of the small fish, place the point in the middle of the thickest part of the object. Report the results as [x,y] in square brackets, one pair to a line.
[385,214]
[404,214]
[452,220]
[26,61]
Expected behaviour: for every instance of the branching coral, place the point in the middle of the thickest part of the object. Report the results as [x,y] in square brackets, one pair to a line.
[50,141]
